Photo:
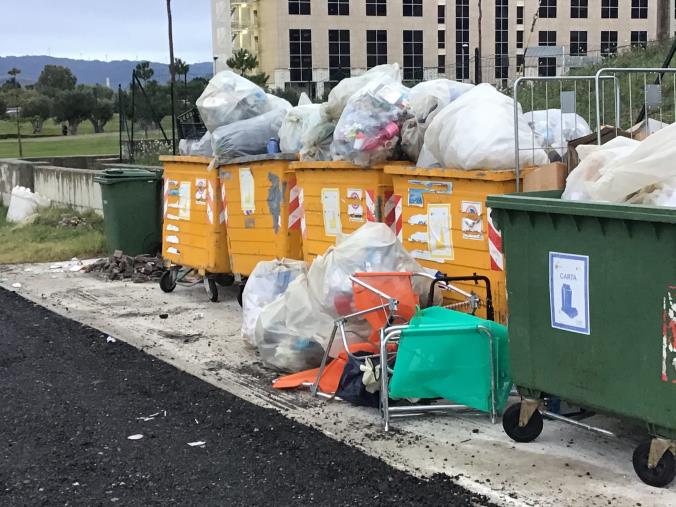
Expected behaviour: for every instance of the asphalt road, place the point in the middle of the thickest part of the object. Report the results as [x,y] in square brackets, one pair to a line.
[70,400]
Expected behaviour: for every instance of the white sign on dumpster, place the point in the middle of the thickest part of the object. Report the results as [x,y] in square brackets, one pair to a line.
[569,292]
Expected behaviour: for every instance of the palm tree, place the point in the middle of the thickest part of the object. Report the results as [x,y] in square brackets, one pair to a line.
[144,71]
[14,72]
[181,68]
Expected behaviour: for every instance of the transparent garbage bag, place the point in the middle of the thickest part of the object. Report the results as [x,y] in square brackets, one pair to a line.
[368,131]
[476,131]
[316,142]
[247,137]
[345,89]
[197,147]
[299,121]
[229,98]
[267,282]
[556,128]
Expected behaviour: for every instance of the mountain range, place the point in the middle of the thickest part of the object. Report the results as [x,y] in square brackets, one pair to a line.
[92,71]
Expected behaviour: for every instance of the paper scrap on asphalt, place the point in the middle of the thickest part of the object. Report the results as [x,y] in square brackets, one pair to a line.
[197,444]
[135,437]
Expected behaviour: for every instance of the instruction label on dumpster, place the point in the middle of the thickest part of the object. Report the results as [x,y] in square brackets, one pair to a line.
[569,292]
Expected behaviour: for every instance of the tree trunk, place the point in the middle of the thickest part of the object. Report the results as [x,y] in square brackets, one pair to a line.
[72,127]
[37,124]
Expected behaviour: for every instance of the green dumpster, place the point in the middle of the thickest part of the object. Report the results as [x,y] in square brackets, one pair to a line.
[592,315]
[132,213]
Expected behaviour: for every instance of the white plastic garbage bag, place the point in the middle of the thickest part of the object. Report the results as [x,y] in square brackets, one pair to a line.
[476,131]
[299,121]
[267,282]
[427,99]
[229,98]
[593,159]
[341,93]
[369,128]
[247,137]
[426,159]
[197,147]
[275,102]
[292,331]
[557,128]
[24,203]
[651,163]
[316,142]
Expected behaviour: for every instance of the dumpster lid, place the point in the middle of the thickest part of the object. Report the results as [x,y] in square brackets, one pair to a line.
[448,172]
[127,173]
[550,202]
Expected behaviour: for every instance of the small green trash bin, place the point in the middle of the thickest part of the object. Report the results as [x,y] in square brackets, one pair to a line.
[132,210]
[592,314]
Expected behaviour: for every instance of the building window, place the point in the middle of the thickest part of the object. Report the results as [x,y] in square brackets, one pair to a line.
[413,55]
[547,66]
[339,54]
[519,39]
[639,9]
[442,39]
[300,55]
[578,43]
[413,8]
[461,39]
[376,48]
[609,9]
[579,8]
[547,9]
[339,7]
[501,39]
[519,15]
[299,7]
[441,15]
[520,62]
[608,43]
[547,38]
[376,7]
[639,39]
[441,64]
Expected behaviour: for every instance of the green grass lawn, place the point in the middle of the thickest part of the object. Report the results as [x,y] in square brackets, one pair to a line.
[46,241]
[92,144]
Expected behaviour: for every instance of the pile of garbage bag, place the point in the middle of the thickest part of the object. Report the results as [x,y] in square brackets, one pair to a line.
[627,171]
[196,147]
[293,331]
[299,121]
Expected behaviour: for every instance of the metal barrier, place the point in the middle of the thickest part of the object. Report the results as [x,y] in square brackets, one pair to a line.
[645,91]
[576,95]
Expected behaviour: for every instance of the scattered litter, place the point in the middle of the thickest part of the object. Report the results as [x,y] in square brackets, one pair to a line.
[199,443]
[151,417]
[164,315]
[16,285]
[110,339]
[28,269]
[196,421]
[138,436]
[199,316]
[76,484]
[141,268]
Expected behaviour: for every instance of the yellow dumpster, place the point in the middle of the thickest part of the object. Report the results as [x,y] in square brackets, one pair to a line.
[440,216]
[258,192]
[338,197]
[194,238]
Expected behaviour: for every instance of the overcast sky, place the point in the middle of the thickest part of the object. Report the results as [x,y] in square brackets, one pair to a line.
[106,29]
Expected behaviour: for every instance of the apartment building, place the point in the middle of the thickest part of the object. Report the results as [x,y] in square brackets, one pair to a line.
[314,43]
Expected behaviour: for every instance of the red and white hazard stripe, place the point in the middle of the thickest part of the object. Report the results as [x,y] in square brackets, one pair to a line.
[295,209]
[393,213]
[166,197]
[495,246]
[210,202]
[301,203]
[371,206]
[223,216]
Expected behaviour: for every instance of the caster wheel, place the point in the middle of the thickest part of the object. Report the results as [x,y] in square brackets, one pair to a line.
[528,433]
[225,280]
[212,289]
[662,474]
[168,281]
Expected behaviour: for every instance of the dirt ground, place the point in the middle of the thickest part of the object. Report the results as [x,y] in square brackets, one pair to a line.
[565,466]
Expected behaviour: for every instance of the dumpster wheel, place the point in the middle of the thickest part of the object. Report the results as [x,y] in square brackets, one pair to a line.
[527,433]
[211,288]
[168,281]
[662,473]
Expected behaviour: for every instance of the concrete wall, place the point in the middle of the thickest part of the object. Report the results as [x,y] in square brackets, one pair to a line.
[14,173]
[76,162]
[67,187]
